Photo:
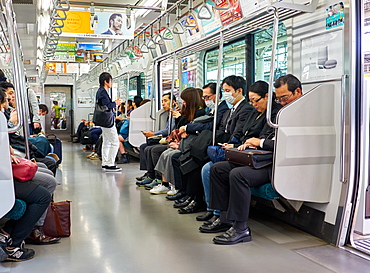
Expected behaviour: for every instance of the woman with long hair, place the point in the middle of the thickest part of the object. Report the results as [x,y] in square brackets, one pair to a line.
[191,109]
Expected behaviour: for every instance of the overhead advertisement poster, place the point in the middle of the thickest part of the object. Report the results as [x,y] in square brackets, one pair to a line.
[335,16]
[100,25]
[232,14]
[322,57]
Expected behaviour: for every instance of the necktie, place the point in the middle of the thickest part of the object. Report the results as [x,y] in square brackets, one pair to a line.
[229,118]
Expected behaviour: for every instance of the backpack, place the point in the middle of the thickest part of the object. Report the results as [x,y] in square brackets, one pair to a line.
[42,144]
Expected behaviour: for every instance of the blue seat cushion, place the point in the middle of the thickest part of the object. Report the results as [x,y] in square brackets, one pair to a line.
[265,191]
[17,211]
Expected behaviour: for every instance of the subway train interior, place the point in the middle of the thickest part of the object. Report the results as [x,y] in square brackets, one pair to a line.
[314,215]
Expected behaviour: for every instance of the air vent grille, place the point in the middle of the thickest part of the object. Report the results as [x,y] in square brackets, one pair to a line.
[23,2]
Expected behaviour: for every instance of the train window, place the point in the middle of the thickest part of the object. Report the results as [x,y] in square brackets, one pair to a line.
[133,87]
[165,81]
[233,61]
[263,44]
[141,84]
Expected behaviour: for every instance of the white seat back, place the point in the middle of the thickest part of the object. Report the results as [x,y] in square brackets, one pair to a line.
[139,121]
[6,177]
[305,147]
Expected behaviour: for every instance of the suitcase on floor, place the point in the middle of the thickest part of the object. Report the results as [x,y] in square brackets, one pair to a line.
[57,144]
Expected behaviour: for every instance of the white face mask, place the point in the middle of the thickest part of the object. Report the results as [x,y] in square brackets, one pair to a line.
[210,104]
[229,97]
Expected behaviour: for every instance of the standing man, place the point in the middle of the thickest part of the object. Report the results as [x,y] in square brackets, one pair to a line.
[110,136]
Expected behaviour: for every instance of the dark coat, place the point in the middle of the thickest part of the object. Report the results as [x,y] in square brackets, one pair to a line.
[234,124]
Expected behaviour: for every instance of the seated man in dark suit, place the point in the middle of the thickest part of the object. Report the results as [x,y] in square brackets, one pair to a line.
[234,88]
[230,127]
[231,183]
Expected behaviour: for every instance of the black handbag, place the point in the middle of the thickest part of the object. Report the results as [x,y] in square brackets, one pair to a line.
[103,116]
[251,157]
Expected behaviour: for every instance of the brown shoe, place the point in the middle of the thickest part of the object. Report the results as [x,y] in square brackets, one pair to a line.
[38,237]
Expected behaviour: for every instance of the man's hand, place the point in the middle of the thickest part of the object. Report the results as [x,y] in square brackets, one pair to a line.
[252,142]
[227,146]
[118,101]
[182,129]
[175,114]
[148,133]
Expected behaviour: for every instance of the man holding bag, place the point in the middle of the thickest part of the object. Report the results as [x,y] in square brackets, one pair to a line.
[231,183]
[109,132]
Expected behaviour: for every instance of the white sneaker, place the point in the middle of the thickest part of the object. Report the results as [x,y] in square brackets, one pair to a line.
[173,191]
[159,189]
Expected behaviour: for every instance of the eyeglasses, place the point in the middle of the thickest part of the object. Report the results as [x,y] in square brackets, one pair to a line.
[283,99]
[207,97]
[255,101]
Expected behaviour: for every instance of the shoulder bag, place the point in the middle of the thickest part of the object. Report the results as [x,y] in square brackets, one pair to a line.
[251,157]
[58,219]
[103,116]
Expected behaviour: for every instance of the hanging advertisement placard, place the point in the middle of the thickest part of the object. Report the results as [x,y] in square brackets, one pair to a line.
[335,15]
[232,14]
[98,25]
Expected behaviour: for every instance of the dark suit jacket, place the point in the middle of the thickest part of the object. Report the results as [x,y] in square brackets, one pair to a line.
[236,122]
[258,127]
[199,127]
[109,32]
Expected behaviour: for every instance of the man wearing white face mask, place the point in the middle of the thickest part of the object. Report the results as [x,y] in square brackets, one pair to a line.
[209,97]
[232,122]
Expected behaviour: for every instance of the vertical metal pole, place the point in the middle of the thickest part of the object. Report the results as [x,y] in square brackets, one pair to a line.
[272,67]
[154,86]
[220,53]
[172,91]
[18,73]
[127,91]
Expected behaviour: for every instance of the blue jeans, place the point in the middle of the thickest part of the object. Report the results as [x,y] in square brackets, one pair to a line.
[206,170]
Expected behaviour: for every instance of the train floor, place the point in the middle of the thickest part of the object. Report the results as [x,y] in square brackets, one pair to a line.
[118,227]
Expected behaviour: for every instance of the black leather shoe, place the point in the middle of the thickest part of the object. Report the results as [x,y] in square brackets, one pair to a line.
[176,196]
[231,237]
[210,221]
[182,199]
[208,215]
[193,207]
[216,226]
[183,204]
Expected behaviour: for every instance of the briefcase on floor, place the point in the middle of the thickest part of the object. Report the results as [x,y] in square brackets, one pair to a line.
[250,157]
